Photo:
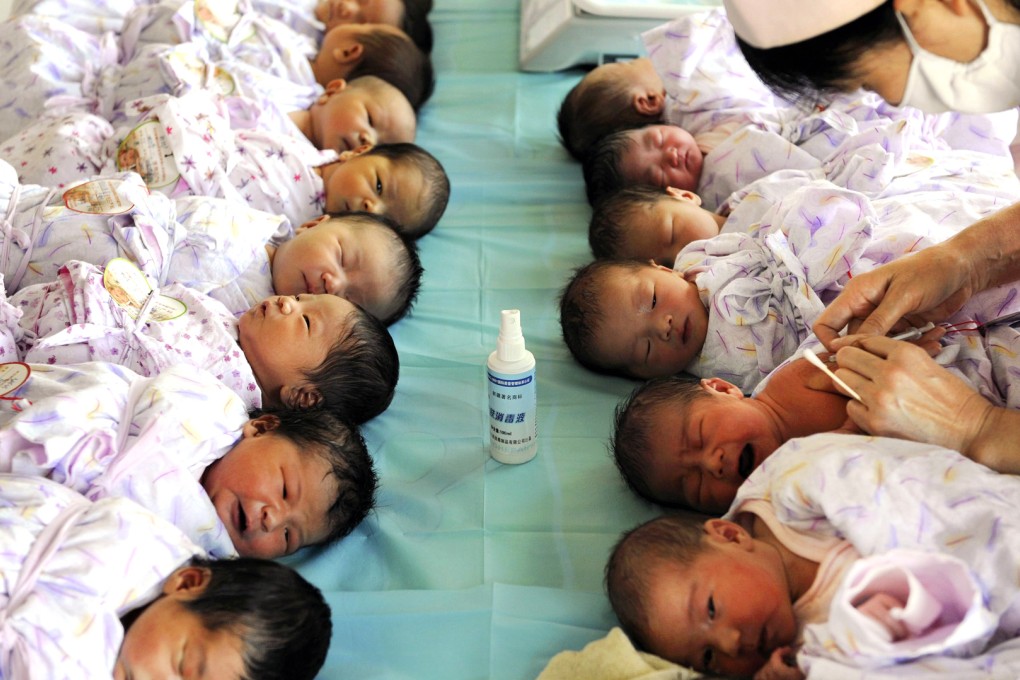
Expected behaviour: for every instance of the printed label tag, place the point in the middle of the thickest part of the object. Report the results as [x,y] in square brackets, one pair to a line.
[98,197]
[12,376]
[129,288]
[193,70]
[914,162]
[146,151]
[217,17]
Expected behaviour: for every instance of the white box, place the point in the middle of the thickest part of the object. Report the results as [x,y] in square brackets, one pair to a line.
[559,34]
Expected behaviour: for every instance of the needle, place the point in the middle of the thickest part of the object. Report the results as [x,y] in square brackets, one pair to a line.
[914,333]
[818,363]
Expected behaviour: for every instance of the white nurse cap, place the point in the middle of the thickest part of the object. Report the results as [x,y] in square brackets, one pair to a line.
[774,23]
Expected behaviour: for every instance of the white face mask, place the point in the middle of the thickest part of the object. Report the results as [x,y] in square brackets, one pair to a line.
[989,83]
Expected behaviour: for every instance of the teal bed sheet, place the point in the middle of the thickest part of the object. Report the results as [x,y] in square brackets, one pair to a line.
[469,568]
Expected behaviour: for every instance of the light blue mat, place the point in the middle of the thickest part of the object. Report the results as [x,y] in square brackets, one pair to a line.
[472,569]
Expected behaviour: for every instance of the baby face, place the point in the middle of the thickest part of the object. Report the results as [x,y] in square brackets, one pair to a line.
[654,322]
[283,337]
[366,111]
[337,12]
[661,230]
[338,257]
[377,185]
[169,641]
[662,156]
[723,614]
[272,499]
[699,455]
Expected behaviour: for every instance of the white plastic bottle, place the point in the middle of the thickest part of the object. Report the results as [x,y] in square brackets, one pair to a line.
[513,405]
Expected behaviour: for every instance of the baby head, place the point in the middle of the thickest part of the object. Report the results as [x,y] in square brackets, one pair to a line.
[690,443]
[363,111]
[410,16]
[320,351]
[705,595]
[649,223]
[630,318]
[655,155]
[401,181]
[353,50]
[358,256]
[240,618]
[610,97]
[293,479]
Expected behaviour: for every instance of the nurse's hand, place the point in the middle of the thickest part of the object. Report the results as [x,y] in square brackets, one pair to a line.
[929,285]
[905,394]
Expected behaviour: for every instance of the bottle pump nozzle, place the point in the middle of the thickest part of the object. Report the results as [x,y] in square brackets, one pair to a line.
[510,344]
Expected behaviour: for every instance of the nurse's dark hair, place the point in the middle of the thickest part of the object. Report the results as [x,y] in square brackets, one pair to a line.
[634,426]
[283,619]
[807,71]
[673,539]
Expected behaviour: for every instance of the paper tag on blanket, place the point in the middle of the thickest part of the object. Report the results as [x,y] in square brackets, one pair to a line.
[98,197]
[12,376]
[914,162]
[195,72]
[217,17]
[146,151]
[130,289]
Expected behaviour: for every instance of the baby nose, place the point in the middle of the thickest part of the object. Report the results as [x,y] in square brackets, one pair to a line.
[334,283]
[368,205]
[727,641]
[271,517]
[667,327]
[345,10]
[367,138]
[713,462]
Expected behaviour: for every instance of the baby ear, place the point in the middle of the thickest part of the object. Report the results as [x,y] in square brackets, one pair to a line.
[311,223]
[725,531]
[649,103]
[187,581]
[348,54]
[348,155]
[721,386]
[332,87]
[683,195]
[261,425]
[302,397]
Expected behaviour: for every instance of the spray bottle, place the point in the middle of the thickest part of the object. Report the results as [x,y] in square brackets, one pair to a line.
[513,407]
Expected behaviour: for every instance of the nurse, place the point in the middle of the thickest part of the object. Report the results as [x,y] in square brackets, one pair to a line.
[936,55]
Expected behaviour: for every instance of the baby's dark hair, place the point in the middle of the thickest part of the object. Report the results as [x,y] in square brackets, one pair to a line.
[590,111]
[806,71]
[671,539]
[437,183]
[396,59]
[357,379]
[633,426]
[407,270]
[610,218]
[283,619]
[322,433]
[602,176]
[416,23]
[581,311]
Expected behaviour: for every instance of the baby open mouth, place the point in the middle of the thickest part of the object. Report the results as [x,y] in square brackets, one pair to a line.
[746,464]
